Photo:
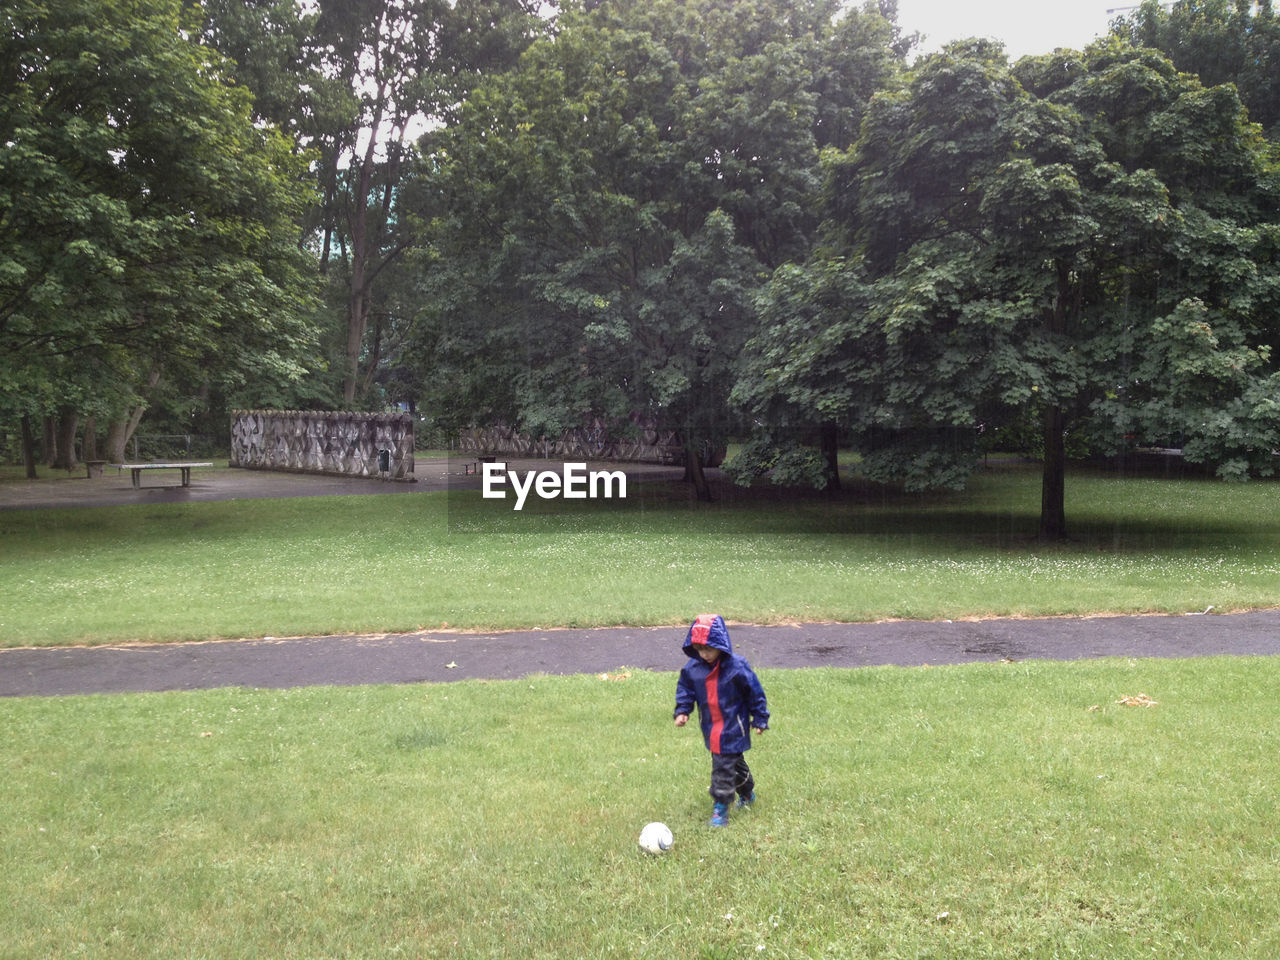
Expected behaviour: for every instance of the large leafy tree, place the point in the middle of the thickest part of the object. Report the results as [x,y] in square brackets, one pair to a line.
[147,224]
[272,48]
[1222,41]
[356,83]
[1092,237]
[608,209]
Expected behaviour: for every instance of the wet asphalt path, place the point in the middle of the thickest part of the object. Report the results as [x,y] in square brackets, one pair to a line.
[435,657]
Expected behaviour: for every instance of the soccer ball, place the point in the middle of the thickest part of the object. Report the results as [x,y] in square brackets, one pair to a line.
[656,838]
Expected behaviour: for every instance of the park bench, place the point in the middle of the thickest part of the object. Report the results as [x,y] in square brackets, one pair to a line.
[137,469]
[473,466]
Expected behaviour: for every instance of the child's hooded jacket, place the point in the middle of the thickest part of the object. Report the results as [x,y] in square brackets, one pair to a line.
[729,696]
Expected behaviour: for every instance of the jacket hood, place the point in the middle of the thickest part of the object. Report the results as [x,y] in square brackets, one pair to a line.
[708,630]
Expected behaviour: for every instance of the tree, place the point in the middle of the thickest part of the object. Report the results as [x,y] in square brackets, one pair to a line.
[357,83]
[609,208]
[146,223]
[798,380]
[1221,41]
[1091,235]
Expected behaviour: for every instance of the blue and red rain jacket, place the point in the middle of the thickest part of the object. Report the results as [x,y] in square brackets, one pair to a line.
[729,696]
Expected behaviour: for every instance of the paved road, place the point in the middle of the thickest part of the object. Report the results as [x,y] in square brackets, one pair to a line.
[439,657]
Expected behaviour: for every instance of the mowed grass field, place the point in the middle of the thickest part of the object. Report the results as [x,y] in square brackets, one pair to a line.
[994,810]
[991,810]
[430,560]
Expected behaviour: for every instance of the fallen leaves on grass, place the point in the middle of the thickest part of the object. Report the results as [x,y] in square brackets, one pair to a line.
[616,676]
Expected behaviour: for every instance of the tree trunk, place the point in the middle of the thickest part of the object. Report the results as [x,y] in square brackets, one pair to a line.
[89,444]
[28,448]
[119,432]
[1053,513]
[357,318]
[361,253]
[68,421]
[117,437]
[1053,516]
[327,211]
[830,449]
[693,470]
[50,450]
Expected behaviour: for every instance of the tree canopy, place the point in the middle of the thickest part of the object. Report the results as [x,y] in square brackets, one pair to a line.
[1220,41]
[357,83]
[1091,236]
[147,225]
[743,217]
[611,205]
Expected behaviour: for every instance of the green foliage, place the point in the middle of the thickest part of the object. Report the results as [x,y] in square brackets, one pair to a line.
[273,50]
[1222,41]
[1091,235]
[787,462]
[146,223]
[612,205]
[358,83]
[731,216]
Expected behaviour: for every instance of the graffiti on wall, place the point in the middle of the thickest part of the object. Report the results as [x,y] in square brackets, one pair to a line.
[308,441]
[642,441]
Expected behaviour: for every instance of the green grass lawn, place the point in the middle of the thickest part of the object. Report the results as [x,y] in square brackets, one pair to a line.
[994,810]
[371,564]
[991,810]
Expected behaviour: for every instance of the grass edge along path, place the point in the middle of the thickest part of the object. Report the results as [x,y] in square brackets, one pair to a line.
[993,810]
[352,565]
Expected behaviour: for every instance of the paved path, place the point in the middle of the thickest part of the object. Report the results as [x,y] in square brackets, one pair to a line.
[438,657]
[115,488]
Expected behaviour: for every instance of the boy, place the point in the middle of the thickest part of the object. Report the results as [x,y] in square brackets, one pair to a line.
[730,700]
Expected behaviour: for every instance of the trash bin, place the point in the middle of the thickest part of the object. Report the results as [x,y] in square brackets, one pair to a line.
[384,461]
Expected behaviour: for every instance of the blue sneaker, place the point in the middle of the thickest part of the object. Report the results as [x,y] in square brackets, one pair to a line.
[746,801]
[719,815]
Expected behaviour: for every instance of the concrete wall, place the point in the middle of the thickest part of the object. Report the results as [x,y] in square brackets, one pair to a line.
[305,441]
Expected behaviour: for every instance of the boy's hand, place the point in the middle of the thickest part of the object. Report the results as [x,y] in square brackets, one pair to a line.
[759,729]
[681,719]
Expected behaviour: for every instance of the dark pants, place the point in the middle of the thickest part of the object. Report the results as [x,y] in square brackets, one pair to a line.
[729,775]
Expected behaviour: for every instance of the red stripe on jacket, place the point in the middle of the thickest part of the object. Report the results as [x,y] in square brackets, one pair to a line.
[701,628]
[713,706]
